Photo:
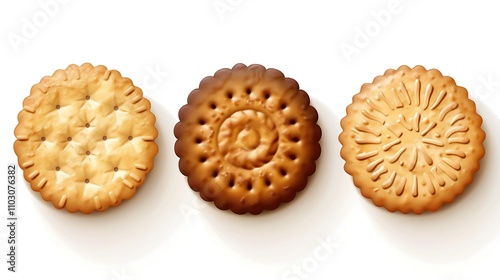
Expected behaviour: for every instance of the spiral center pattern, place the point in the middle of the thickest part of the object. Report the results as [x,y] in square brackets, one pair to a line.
[248,139]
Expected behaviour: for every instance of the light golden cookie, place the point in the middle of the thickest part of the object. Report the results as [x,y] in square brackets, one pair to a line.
[247,139]
[412,140]
[86,138]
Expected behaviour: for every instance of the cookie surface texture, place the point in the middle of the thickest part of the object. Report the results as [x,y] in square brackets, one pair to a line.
[412,140]
[247,139]
[86,138]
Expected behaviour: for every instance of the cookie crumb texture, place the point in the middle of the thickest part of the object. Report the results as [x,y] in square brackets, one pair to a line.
[412,140]
[86,138]
[247,139]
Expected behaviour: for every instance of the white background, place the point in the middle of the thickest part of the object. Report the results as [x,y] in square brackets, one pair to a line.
[166,48]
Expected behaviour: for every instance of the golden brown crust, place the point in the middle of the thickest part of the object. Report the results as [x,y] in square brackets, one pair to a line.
[247,139]
[412,140]
[86,138]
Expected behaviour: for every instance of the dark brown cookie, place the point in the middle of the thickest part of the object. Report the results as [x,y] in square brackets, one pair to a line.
[247,139]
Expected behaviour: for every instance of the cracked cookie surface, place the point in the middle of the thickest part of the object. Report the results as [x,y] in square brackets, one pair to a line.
[86,138]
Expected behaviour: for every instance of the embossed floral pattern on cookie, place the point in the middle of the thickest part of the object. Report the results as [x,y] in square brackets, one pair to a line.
[412,140]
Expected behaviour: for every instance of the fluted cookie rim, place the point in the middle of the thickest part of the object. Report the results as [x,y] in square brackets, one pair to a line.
[366,188]
[130,180]
[234,96]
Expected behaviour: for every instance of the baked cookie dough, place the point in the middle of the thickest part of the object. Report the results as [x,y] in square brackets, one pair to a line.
[86,138]
[247,139]
[412,140]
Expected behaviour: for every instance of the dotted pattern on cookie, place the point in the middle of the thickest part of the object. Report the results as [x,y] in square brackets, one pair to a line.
[247,139]
[412,140]
[86,138]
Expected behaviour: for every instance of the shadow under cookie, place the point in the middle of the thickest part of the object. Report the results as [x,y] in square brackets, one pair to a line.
[459,229]
[287,234]
[140,225]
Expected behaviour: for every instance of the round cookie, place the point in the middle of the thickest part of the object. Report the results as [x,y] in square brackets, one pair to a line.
[86,138]
[412,140]
[247,139]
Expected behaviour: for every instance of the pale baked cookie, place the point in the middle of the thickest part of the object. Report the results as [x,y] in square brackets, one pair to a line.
[86,138]
[247,139]
[412,140]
